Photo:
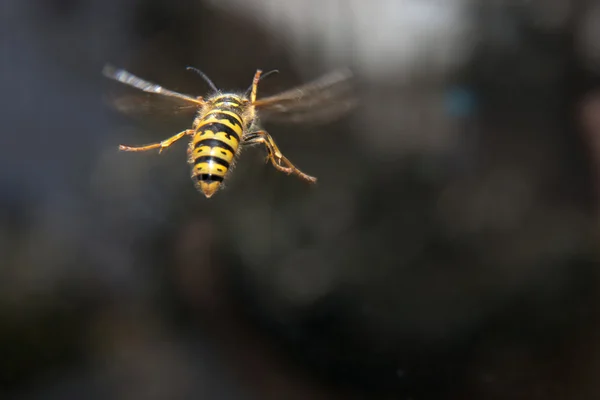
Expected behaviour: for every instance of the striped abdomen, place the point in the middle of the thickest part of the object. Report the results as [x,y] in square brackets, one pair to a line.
[213,148]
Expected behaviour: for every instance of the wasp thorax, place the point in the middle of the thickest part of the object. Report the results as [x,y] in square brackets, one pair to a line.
[227,100]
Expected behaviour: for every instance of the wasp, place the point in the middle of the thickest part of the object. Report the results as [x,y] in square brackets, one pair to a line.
[226,122]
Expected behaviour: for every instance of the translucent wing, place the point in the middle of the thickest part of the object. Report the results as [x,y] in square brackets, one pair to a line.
[158,101]
[322,100]
[143,105]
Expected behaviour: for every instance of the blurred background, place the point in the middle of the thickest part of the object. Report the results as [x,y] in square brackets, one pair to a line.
[449,250]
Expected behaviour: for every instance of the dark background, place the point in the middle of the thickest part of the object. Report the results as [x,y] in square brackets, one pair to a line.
[448,251]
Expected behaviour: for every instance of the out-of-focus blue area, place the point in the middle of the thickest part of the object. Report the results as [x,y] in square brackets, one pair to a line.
[460,101]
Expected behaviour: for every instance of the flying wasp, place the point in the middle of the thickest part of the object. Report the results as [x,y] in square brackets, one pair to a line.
[225,122]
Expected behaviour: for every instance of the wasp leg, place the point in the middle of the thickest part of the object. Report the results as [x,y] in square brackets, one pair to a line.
[161,145]
[255,85]
[278,160]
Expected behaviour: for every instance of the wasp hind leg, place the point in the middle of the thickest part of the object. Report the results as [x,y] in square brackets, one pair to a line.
[161,145]
[278,160]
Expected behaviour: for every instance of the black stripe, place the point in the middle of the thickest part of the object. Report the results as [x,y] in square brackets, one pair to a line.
[228,99]
[222,115]
[209,178]
[216,127]
[214,143]
[208,159]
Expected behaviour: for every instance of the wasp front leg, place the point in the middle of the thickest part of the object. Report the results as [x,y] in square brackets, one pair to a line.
[255,85]
[279,161]
[161,145]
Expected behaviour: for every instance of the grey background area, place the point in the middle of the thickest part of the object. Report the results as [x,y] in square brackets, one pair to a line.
[447,252]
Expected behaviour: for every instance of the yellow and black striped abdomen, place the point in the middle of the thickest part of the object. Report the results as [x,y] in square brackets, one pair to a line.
[213,148]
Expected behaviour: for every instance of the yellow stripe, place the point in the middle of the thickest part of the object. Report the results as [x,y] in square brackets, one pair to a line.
[237,128]
[206,168]
[229,95]
[228,104]
[213,151]
[208,134]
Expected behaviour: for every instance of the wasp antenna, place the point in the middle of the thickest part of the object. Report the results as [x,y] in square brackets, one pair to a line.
[205,77]
[273,71]
[263,76]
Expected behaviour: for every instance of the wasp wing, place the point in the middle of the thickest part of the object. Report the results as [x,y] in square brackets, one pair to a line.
[141,105]
[155,101]
[319,101]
